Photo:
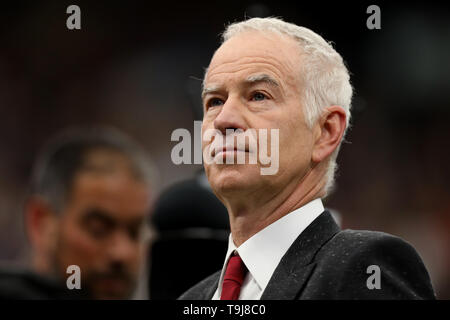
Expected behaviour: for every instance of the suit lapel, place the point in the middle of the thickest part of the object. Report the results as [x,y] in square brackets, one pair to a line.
[297,264]
[209,292]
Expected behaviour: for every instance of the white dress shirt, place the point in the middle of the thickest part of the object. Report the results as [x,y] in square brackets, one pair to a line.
[262,253]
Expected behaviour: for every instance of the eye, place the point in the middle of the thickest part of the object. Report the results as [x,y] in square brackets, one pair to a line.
[97,229]
[258,96]
[135,232]
[214,102]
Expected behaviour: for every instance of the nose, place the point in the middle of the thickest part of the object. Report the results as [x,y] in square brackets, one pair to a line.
[230,116]
[122,249]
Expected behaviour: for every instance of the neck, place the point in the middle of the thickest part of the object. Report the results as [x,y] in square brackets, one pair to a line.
[250,216]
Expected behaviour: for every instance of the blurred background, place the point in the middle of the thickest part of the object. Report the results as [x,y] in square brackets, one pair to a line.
[137,66]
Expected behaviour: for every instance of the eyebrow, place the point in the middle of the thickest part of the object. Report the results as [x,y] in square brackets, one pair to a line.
[208,90]
[262,78]
[253,79]
[106,218]
[98,214]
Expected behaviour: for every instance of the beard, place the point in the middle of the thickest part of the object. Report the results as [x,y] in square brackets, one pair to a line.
[112,281]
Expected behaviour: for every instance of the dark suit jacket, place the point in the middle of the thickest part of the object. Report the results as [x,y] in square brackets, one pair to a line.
[327,263]
[26,285]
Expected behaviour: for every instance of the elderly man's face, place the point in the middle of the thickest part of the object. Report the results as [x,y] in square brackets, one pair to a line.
[254,82]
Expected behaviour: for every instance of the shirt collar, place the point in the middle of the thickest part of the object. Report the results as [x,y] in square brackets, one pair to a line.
[262,252]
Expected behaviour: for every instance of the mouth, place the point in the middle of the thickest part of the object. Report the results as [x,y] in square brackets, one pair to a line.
[227,151]
[113,284]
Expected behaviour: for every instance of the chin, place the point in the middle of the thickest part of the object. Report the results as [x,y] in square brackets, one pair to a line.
[112,295]
[228,179]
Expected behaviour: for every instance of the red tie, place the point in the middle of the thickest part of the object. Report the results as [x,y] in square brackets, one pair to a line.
[234,276]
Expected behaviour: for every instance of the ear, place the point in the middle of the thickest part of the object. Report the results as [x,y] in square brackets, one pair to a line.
[328,132]
[40,223]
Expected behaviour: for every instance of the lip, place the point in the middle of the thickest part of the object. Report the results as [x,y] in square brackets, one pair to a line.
[113,284]
[226,150]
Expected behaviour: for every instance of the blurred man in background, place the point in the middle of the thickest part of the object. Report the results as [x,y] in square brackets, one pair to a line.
[90,195]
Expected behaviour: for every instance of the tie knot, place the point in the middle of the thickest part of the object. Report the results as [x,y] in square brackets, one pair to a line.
[233,278]
[236,270]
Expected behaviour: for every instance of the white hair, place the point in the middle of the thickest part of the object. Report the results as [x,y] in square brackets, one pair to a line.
[326,80]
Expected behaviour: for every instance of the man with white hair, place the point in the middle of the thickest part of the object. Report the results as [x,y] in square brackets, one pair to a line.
[269,74]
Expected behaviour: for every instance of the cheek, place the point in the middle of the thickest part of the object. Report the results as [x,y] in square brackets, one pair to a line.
[140,254]
[295,144]
[77,247]
[207,133]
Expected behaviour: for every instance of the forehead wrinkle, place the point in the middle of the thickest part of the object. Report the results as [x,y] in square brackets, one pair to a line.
[282,80]
[241,63]
[279,52]
[269,68]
